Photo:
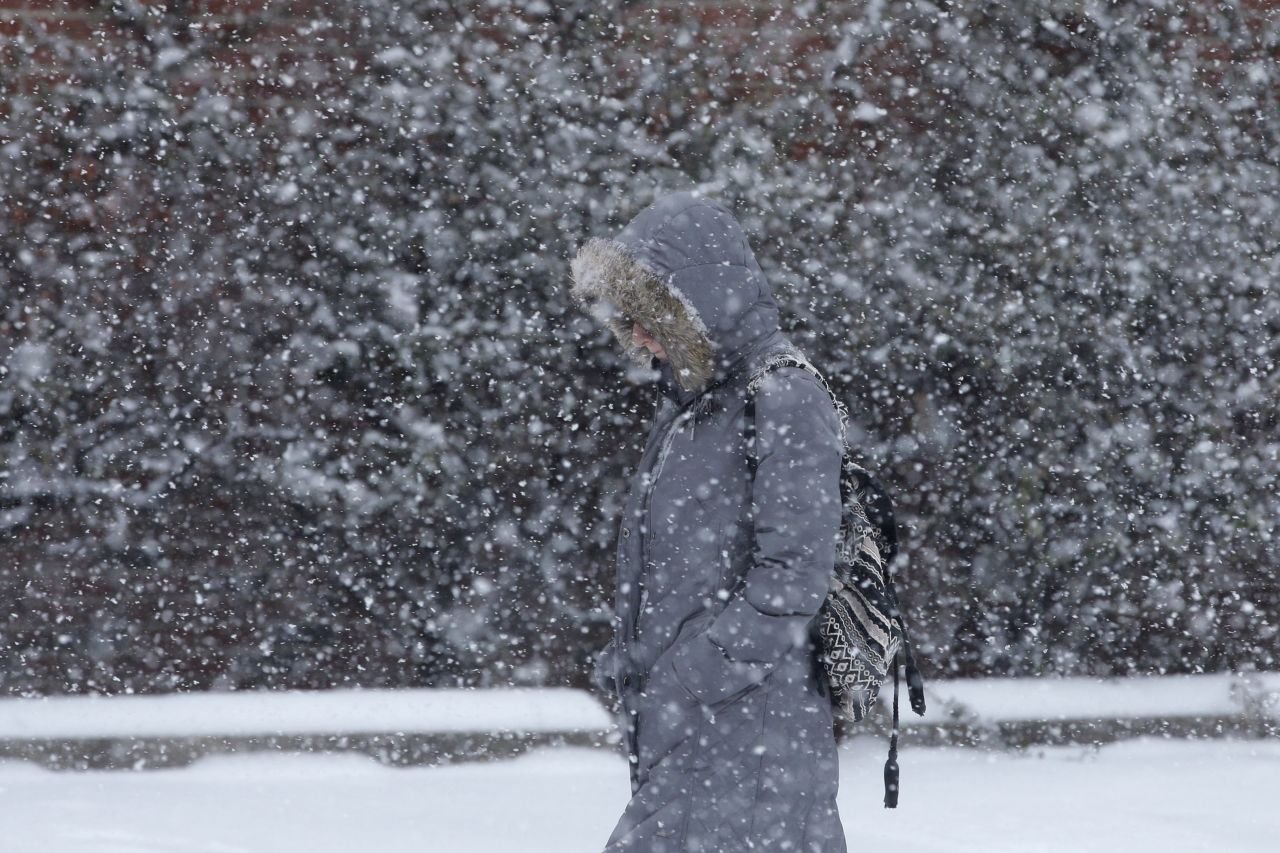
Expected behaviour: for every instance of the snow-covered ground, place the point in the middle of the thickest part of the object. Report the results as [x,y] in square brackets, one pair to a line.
[561,709]
[1148,795]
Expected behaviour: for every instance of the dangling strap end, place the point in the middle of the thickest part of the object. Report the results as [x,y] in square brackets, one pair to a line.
[891,765]
[915,683]
[915,688]
[891,775]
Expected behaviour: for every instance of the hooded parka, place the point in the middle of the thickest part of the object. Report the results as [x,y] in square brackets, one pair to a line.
[725,712]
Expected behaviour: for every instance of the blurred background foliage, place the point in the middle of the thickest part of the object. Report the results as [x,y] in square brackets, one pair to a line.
[292,393]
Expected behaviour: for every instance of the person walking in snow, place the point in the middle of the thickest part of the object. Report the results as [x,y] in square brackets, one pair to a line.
[714,659]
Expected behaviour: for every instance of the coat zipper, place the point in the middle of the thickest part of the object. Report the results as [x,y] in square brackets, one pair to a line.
[677,424]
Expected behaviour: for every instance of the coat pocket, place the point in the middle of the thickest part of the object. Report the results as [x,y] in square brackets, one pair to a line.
[669,718]
[709,675]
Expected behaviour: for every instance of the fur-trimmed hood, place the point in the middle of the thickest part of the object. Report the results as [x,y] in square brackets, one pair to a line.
[683,269]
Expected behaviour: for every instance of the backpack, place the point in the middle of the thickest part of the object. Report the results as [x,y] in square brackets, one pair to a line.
[860,626]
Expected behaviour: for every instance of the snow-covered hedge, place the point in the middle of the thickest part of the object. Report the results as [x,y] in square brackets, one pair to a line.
[292,394]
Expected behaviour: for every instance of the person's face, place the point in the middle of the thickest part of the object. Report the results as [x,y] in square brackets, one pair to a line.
[641,338]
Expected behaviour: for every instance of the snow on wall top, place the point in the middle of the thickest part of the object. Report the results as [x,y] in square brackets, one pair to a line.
[534,710]
[428,711]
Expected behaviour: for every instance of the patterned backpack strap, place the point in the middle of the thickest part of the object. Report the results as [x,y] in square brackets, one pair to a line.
[879,508]
[793,357]
[876,512]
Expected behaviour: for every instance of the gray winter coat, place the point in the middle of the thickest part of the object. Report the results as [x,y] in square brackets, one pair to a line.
[727,719]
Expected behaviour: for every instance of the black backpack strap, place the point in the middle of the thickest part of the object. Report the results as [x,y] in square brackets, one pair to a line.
[915,683]
[891,777]
[879,509]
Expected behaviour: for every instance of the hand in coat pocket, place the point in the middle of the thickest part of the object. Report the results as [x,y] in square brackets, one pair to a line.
[711,677]
[604,669]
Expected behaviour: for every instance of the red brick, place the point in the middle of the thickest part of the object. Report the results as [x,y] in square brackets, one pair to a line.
[310,7]
[729,15]
[226,58]
[234,7]
[639,15]
[34,83]
[289,33]
[810,44]
[77,27]
[41,5]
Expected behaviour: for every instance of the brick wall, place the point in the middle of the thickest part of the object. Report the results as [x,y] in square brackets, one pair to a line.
[253,48]
[289,49]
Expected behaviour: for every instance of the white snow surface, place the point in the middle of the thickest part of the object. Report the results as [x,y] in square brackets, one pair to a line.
[372,711]
[300,712]
[1151,697]
[1146,795]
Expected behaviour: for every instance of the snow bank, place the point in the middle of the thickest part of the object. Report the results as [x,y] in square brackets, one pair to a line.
[565,710]
[1064,699]
[256,713]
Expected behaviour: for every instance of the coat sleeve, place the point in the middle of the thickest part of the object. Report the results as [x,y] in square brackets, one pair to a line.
[796,494]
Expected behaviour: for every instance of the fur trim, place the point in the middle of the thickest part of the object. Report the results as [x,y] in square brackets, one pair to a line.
[620,289]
